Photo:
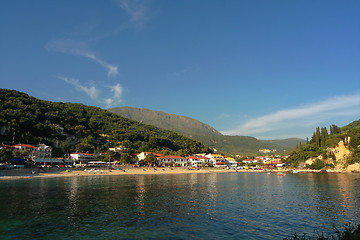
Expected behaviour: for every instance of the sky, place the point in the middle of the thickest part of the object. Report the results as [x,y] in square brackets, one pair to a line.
[270,69]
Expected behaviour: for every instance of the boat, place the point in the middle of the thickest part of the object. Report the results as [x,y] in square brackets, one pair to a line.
[281,174]
[295,171]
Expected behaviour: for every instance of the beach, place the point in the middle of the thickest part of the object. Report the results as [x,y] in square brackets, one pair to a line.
[72,172]
[47,173]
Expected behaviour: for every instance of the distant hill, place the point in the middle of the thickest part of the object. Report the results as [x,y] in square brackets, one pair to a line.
[181,124]
[354,124]
[289,142]
[239,144]
[203,132]
[25,119]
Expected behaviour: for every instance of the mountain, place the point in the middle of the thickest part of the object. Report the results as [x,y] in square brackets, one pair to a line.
[74,126]
[181,124]
[203,132]
[289,142]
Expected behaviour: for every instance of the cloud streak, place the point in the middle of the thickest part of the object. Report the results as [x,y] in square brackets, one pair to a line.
[333,107]
[91,91]
[80,49]
[137,10]
[117,91]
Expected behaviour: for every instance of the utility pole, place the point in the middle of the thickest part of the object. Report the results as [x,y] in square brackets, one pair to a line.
[13,135]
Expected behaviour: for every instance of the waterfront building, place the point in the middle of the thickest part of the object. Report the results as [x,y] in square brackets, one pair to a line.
[141,156]
[195,162]
[82,157]
[42,151]
[231,162]
[175,161]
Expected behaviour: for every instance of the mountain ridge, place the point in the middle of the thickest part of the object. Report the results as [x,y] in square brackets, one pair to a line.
[181,124]
[204,133]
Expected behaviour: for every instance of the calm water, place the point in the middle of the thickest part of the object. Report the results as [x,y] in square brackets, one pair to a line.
[199,206]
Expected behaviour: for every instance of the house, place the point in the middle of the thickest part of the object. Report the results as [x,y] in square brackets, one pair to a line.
[42,151]
[175,161]
[141,156]
[82,157]
[231,162]
[248,161]
[119,149]
[24,147]
[216,160]
[30,149]
[196,162]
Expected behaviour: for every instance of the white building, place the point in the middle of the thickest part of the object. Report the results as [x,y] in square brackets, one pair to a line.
[82,157]
[142,156]
[216,160]
[42,151]
[230,162]
[175,161]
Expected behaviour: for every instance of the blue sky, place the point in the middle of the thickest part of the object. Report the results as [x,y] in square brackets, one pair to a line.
[264,68]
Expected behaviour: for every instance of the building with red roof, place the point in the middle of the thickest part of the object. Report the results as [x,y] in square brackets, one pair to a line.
[175,161]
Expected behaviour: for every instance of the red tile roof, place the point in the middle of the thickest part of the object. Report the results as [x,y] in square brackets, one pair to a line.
[24,145]
[171,157]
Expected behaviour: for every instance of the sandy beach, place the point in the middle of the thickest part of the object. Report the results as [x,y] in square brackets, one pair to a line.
[28,173]
[50,173]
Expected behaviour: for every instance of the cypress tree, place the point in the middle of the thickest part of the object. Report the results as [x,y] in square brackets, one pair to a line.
[317,137]
[323,136]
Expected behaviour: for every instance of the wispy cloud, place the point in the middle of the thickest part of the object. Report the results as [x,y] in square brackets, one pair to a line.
[223,116]
[76,48]
[318,112]
[137,10]
[89,90]
[117,91]
[93,92]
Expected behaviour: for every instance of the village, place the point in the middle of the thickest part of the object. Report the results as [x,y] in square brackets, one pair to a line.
[29,156]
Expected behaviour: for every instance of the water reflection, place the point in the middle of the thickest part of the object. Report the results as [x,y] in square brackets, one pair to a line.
[231,205]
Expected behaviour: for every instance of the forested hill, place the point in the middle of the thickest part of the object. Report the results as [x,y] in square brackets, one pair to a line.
[329,148]
[203,132]
[353,125]
[181,124]
[71,125]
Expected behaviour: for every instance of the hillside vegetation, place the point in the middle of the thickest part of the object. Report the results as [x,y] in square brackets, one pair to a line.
[71,126]
[338,148]
[203,132]
[181,124]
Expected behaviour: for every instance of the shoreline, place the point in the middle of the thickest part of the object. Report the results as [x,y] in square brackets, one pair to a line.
[14,174]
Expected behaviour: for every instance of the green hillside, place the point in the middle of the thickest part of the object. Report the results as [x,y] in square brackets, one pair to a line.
[289,142]
[181,124]
[354,124]
[322,144]
[203,132]
[238,144]
[73,126]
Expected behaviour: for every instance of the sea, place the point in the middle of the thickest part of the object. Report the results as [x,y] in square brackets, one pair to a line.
[179,206]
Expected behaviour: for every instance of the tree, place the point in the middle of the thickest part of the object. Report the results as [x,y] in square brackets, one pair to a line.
[323,136]
[5,155]
[151,160]
[125,158]
[86,144]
